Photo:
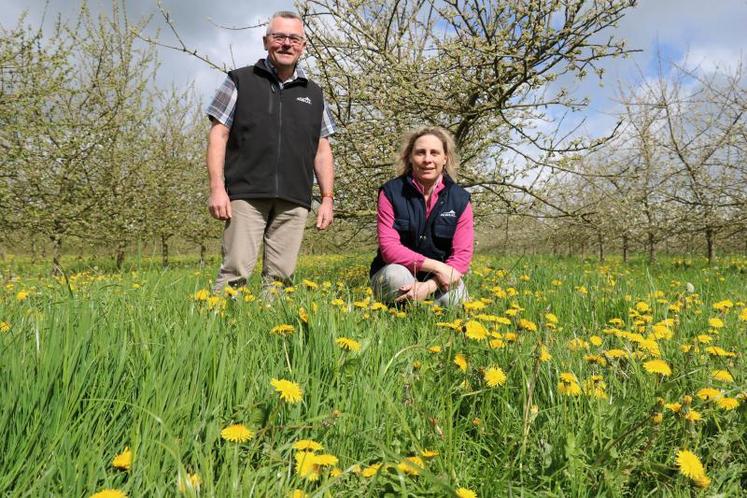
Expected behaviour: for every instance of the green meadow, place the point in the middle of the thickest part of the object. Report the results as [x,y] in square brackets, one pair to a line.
[560,377]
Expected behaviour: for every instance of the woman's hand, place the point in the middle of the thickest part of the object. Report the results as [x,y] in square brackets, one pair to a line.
[416,291]
[446,275]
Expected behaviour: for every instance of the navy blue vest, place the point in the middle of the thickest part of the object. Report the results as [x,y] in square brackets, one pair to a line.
[431,237]
[274,137]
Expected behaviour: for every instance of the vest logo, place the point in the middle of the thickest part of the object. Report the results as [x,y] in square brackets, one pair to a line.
[305,100]
[449,214]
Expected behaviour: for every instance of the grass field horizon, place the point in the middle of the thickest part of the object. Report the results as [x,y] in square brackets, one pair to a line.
[560,377]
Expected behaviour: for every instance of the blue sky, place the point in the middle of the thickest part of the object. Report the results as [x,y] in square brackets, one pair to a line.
[710,34]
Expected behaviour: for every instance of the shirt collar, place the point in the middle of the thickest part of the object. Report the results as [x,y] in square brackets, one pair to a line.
[437,187]
[298,72]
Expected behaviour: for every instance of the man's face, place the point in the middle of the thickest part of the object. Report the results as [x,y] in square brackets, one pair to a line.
[284,42]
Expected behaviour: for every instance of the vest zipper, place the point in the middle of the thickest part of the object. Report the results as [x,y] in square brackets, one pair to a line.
[280,140]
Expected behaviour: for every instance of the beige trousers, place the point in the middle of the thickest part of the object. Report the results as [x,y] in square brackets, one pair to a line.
[280,224]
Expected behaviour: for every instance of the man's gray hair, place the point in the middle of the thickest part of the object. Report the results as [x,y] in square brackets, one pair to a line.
[285,14]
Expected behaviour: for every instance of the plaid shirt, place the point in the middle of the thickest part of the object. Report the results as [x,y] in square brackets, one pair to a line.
[224,103]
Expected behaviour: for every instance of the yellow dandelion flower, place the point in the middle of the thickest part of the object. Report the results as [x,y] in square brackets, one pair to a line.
[596,359]
[236,433]
[456,325]
[110,493]
[461,361]
[556,282]
[190,482]
[569,388]
[465,493]
[727,403]
[715,323]
[720,352]
[310,284]
[371,470]
[335,472]
[307,444]
[202,295]
[297,493]
[673,407]
[544,354]
[690,465]
[724,305]
[4,327]
[693,416]
[722,376]
[306,466]
[595,340]
[650,346]
[494,376]
[496,343]
[283,329]
[613,354]
[429,453]
[660,367]
[642,307]
[474,305]
[657,418]
[22,296]
[659,331]
[743,315]
[325,460]
[708,394]
[551,318]
[434,349]
[577,343]
[475,330]
[303,315]
[704,338]
[123,461]
[411,465]
[527,325]
[348,344]
[289,391]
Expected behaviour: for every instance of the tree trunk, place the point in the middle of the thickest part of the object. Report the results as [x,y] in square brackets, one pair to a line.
[709,244]
[164,251]
[203,251]
[56,253]
[120,255]
[650,244]
[625,248]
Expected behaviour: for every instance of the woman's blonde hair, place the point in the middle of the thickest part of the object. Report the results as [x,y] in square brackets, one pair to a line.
[403,164]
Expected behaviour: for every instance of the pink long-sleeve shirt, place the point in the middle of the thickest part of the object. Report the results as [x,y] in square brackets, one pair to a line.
[393,251]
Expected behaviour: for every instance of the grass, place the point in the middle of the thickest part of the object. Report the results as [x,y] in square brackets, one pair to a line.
[101,361]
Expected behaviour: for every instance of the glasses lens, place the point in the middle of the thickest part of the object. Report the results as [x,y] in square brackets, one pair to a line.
[280,37]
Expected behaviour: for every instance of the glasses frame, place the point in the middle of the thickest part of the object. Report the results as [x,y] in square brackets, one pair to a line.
[293,39]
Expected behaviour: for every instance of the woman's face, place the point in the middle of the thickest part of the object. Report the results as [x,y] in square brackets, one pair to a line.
[428,159]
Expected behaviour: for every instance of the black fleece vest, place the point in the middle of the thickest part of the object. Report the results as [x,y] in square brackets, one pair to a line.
[431,237]
[274,137]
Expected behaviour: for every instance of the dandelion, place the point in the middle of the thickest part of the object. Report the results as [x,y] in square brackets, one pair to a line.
[657,418]
[371,470]
[743,315]
[310,284]
[236,433]
[303,315]
[461,361]
[693,416]
[595,387]
[708,394]
[297,493]
[475,330]
[527,325]
[720,352]
[192,481]
[568,384]
[465,493]
[691,467]
[429,453]
[201,295]
[494,376]
[660,367]
[110,493]
[544,355]
[22,296]
[722,376]
[613,354]
[715,323]
[284,329]
[411,465]
[307,444]
[473,305]
[4,327]
[434,349]
[723,306]
[727,403]
[123,461]
[290,392]
[348,344]
[673,407]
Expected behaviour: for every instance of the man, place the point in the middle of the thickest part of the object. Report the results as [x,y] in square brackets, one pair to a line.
[269,134]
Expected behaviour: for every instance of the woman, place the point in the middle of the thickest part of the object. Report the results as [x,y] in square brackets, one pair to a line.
[424,225]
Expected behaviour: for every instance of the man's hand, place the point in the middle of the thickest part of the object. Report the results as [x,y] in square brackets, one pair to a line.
[416,291]
[219,204]
[325,213]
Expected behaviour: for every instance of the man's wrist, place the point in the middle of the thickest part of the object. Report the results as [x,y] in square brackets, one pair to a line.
[328,195]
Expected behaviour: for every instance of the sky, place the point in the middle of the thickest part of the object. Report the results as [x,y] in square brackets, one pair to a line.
[710,34]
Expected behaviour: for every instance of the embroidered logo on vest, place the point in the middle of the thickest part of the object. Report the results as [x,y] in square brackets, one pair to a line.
[305,100]
[449,214]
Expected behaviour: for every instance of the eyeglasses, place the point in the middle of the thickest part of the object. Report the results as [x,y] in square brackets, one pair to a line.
[281,37]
